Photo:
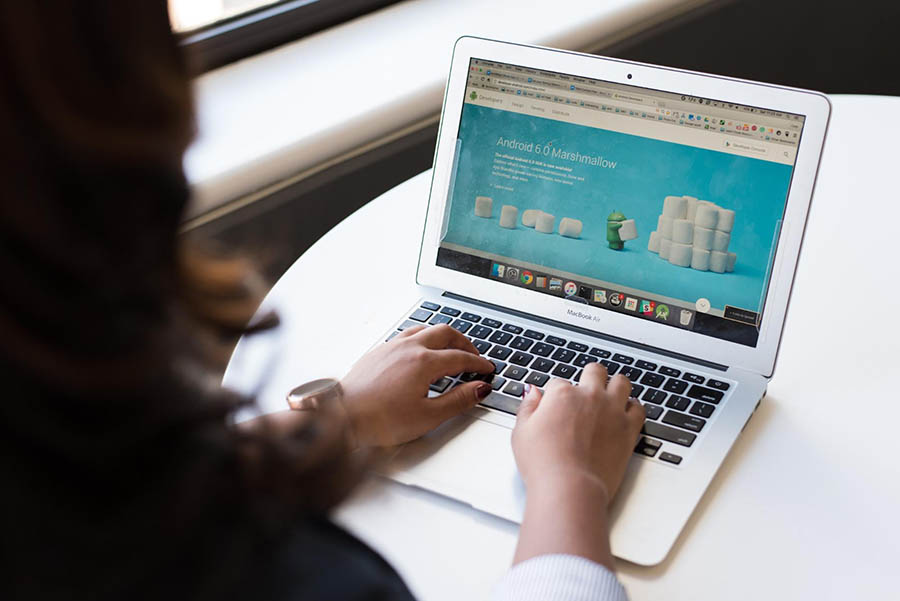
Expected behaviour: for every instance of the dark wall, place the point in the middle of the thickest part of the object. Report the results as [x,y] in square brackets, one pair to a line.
[834,47]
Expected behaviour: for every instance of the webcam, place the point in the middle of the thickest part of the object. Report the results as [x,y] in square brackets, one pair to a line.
[629,76]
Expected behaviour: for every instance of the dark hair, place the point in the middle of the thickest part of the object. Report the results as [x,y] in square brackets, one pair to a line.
[121,476]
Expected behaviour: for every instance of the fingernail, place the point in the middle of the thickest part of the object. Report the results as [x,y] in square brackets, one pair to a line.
[527,388]
[483,390]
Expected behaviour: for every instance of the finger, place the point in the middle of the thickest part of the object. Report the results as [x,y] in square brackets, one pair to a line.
[555,384]
[456,400]
[453,361]
[619,390]
[410,331]
[593,378]
[530,403]
[444,337]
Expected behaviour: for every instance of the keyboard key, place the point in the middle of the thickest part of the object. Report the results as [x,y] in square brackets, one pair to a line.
[503,403]
[676,386]
[688,422]
[514,389]
[471,317]
[394,333]
[521,344]
[441,385]
[599,352]
[696,379]
[651,379]
[678,402]
[577,346]
[647,446]
[654,396]
[520,358]
[563,355]
[474,375]
[491,323]
[564,371]
[636,390]
[421,315]
[480,332]
[556,340]
[583,360]
[718,385]
[632,373]
[481,346]
[430,306]
[702,409]
[676,459]
[668,371]
[702,393]
[500,352]
[500,337]
[544,365]
[577,377]
[498,382]
[645,365]
[450,311]
[623,359]
[439,319]
[542,349]
[498,365]
[611,366]
[512,329]
[514,372]
[668,434]
[533,334]
[653,411]
[537,379]
[461,326]
[407,324]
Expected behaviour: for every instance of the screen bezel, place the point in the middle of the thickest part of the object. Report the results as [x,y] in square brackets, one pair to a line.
[813,106]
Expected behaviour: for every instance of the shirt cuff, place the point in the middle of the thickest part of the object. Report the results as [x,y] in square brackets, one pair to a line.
[560,578]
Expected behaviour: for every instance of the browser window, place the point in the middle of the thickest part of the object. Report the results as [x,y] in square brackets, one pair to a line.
[659,205]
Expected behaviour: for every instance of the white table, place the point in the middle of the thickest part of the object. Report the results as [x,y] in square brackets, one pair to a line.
[807,504]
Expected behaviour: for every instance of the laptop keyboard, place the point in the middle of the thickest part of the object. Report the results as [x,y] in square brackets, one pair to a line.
[678,403]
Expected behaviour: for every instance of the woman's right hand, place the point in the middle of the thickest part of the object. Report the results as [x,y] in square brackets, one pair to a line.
[572,445]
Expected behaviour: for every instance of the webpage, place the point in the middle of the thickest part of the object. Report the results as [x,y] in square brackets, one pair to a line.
[663,206]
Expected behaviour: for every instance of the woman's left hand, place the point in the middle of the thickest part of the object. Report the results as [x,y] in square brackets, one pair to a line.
[386,392]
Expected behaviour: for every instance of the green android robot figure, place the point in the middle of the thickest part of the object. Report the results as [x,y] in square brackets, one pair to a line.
[613,225]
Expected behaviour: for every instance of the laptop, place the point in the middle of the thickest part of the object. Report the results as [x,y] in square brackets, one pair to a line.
[586,209]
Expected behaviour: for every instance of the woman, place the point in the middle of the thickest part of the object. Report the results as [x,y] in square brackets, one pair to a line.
[122,478]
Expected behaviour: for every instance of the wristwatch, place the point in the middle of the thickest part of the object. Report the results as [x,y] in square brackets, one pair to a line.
[314,395]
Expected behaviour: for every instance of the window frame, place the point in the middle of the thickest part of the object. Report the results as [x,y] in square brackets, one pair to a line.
[267,27]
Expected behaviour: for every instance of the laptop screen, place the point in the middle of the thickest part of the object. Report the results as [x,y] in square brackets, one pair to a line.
[661,206]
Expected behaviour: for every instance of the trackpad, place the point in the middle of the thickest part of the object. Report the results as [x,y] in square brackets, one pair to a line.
[467,459]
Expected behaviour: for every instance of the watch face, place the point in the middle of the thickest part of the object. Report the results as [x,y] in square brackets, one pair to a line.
[311,389]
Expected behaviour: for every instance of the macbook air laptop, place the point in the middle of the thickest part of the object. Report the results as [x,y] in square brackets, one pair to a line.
[586,209]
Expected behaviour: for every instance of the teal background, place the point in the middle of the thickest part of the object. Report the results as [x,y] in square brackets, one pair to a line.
[646,172]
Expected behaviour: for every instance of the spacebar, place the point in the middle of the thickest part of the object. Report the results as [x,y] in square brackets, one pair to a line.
[668,434]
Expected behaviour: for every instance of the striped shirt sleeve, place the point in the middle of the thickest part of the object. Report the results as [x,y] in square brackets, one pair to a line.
[559,578]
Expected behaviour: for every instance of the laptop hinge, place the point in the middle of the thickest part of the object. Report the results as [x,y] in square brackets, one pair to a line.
[589,333]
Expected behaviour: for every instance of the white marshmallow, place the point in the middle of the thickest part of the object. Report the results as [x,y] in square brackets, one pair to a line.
[718,261]
[703,237]
[508,216]
[726,220]
[484,206]
[570,228]
[680,254]
[664,246]
[721,240]
[628,231]
[691,207]
[529,216]
[675,207]
[707,215]
[544,223]
[700,259]
[732,259]
[653,245]
[664,227]
[682,231]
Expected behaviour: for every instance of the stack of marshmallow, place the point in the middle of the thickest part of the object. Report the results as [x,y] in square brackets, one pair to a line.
[533,218]
[694,233]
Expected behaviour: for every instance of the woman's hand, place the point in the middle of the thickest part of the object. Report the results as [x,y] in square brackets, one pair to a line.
[572,445]
[386,392]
